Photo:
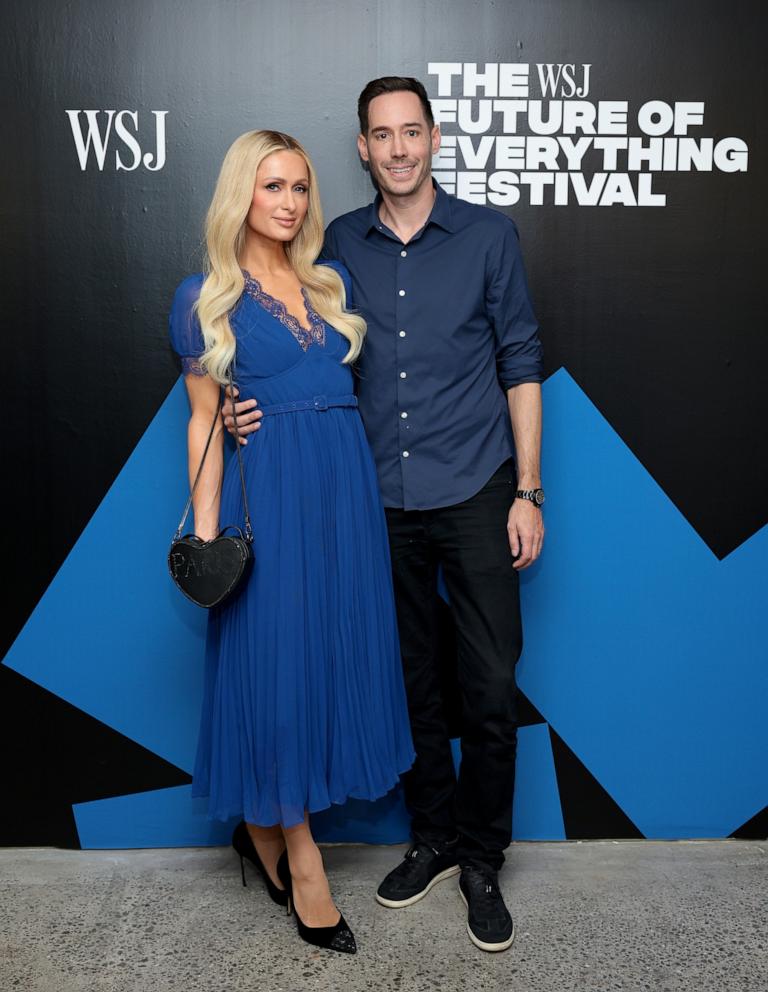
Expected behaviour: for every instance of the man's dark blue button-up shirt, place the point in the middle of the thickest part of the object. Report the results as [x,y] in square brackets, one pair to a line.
[450,327]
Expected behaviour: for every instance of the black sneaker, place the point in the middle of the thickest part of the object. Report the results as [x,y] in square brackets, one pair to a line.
[422,867]
[489,924]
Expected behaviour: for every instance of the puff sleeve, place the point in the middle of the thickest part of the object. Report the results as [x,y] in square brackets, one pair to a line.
[184,327]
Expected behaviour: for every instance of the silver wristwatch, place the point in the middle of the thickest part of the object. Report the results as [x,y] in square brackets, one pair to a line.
[535,496]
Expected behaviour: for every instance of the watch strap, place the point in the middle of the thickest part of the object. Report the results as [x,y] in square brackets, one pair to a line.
[535,496]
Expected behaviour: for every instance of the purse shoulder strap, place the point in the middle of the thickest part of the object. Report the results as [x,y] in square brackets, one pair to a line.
[248,528]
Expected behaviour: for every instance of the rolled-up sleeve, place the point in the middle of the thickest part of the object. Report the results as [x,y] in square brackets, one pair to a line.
[516,330]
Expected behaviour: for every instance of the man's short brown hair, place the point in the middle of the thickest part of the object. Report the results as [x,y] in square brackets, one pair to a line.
[392,84]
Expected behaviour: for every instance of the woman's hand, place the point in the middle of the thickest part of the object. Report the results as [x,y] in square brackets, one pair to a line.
[206,532]
[248,417]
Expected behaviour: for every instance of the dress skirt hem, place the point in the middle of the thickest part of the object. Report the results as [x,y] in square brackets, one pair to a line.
[238,811]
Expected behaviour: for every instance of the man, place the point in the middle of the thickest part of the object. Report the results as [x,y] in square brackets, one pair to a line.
[451,362]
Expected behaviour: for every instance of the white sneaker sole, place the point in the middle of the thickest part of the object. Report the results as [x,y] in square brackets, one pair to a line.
[502,946]
[392,904]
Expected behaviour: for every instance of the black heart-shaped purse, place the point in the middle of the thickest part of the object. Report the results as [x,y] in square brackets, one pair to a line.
[210,572]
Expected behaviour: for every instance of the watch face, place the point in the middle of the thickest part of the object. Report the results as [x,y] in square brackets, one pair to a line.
[538,495]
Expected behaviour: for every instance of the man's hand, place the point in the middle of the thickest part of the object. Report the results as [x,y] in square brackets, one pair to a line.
[525,527]
[248,417]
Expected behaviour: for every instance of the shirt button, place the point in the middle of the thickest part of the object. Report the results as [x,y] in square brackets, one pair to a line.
[406,454]
[402,334]
[401,292]
[403,254]
[404,415]
[403,375]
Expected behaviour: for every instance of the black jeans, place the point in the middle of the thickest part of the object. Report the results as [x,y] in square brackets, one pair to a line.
[470,541]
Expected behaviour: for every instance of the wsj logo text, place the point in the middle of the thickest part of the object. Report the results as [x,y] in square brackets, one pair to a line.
[94,134]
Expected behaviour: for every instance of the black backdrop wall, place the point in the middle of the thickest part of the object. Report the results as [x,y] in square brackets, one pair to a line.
[656,312]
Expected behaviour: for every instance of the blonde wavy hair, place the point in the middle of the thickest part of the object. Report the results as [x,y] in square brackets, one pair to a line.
[225,241]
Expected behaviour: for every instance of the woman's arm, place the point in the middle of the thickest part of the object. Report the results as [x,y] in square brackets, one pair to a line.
[204,399]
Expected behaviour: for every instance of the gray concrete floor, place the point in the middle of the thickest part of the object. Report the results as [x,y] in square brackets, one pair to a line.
[592,917]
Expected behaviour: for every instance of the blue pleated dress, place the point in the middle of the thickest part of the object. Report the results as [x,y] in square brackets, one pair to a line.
[304,703]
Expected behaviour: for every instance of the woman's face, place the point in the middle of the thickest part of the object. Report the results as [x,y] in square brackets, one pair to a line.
[280,196]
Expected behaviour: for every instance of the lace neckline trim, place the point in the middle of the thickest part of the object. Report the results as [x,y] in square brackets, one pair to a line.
[314,334]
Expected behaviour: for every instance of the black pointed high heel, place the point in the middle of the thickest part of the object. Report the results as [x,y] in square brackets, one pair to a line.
[335,938]
[243,845]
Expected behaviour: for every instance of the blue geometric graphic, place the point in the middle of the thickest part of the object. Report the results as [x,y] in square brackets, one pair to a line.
[111,634]
[644,652]
[536,811]
[160,818]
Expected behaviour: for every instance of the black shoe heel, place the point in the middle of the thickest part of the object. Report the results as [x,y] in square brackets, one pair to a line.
[336,938]
[284,874]
[243,845]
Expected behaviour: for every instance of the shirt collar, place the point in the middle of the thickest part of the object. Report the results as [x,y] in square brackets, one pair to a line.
[440,214]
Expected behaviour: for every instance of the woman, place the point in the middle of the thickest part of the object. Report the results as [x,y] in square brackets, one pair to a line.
[303,702]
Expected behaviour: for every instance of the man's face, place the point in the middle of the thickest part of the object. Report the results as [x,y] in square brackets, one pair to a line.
[399,144]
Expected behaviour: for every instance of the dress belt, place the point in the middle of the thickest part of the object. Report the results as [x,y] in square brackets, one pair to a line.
[318,403]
